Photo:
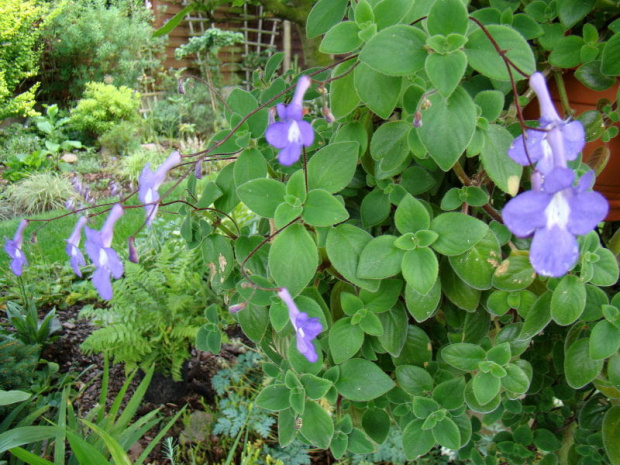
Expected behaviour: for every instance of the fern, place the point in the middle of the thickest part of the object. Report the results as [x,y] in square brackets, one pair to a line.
[155,313]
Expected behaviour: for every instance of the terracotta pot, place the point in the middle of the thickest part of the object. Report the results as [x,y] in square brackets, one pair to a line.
[581,100]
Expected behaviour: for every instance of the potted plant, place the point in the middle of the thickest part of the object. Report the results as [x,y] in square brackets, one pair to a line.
[425,269]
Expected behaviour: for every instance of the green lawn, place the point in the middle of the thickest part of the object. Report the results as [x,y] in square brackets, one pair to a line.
[51,236]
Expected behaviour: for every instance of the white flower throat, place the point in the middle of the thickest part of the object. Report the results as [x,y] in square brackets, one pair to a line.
[558,211]
[294,134]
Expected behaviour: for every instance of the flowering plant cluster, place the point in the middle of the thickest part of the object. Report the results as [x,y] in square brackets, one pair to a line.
[422,261]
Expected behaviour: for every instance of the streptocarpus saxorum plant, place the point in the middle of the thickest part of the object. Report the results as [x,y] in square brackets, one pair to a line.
[422,312]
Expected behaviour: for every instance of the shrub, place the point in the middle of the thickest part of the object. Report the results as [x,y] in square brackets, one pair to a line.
[103,106]
[19,57]
[18,140]
[121,138]
[40,192]
[95,40]
[132,165]
[17,363]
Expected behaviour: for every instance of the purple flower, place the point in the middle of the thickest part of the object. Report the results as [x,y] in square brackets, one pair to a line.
[555,214]
[73,247]
[104,258]
[556,142]
[306,328]
[150,181]
[14,249]
[292,132]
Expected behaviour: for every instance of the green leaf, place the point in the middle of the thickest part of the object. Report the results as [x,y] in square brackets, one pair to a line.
[447,434]
[333,167]
[324,15]
[343,98]
[516,380]
[499,354]
[568,300]
[459,293]
[380,259]
[339,444]
[446,17]
[416,441]
[546,440]
[376,423]
[262,196]
[483,57]
[254,321]
[341,38]
[316,388]
[359,443]
[345,340]
[371,324]
[344,246]
[610,61]
[414,380]
[502,170]
[563,55]
[611,433]
[376,90]
[29,457]
[317,425]
[411,215]
[384,298]
[209,194]
[217,254]
[249,165]
[293,258]
[420,269]
[394,323]
[450,393]
[477,265]
[448,127]
[274,397]
[463,355]
[361,380]
[605,268]
[13,397]
[473,404]
[604,340]
[457,233]
[579,367]
[423,407]
[209,338]
[375,208]
[323,209]
[421,306]
[389,144]
[23,435]
[573,11]
[396,50]
[537,318]
[446,71]
[514,273]
[491,103]
[390,12]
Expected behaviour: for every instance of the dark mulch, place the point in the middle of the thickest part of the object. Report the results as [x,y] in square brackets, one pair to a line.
[66,352]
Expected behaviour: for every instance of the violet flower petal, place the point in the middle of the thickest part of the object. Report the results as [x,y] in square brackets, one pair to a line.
[105,259]
[306,328]
[291,133]
[554,251]
[525,213]
[149,183]
[14,249]
[587,209]
[73,247]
